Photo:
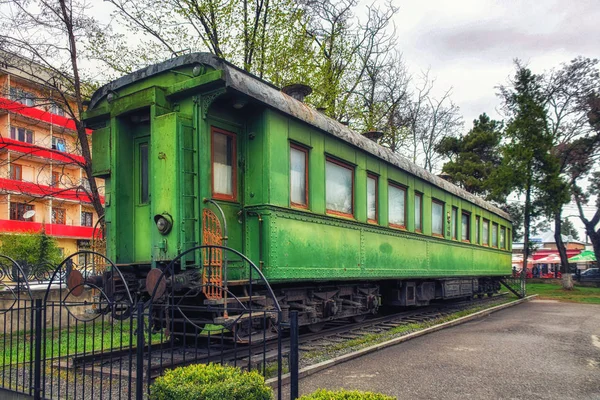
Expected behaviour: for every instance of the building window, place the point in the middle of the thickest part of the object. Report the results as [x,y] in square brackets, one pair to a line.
[418,212]
[437,218]
[502,237]
[224,171]
[59,144]
[477,227]
[21,134]
[58,216]
[22,96]
[55,179]
[397,206]
[465,227]
[57,110]
[18,209]
[494,235]
[372,198]
[298,176]
[339,188]
[454,223]
[16,172]
[486,232]
[87,218]
[86,184]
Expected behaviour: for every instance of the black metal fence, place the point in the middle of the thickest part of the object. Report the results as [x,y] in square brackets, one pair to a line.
[89,335]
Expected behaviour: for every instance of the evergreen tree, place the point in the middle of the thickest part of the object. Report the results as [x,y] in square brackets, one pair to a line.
[474,156]
[528,166]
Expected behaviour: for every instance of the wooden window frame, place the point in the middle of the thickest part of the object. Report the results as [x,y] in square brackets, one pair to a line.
[234,171]
[15,212]
[91,214]
[405,190]
[454,218]
[502,229]
[64,216]
[443,222]
[16,172]
[376,178]
[488,235]
[468,239]
[349,167]
[55,182]
[419,195]
[305,151]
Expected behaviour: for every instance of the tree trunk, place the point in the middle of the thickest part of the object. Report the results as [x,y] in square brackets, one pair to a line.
[562,251]
[527,218]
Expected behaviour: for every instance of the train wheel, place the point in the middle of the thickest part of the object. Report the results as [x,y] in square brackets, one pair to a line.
[316,328]
[359,318]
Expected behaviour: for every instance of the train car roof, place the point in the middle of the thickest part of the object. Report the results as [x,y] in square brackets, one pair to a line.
[272,96]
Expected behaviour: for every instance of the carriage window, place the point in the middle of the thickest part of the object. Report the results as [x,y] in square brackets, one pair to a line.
[372,198]
[396,206]
[495,235]
[508,240]
[437,218]
[477,227]
[298,176]
[339,188]
[418,212]
[144,178]
[465,227]
[223,165]
[486,232]
[454,222]
[502,237]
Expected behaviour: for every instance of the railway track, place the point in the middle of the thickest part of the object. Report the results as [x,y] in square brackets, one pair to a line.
[166,355]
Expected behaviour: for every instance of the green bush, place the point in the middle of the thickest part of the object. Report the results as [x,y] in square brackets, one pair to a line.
[323,394]
[210,382]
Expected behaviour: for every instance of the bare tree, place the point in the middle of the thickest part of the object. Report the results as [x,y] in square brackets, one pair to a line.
[45,37]
[348,49]
[568,90]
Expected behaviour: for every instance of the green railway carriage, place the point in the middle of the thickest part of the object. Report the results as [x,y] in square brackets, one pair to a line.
[318,207]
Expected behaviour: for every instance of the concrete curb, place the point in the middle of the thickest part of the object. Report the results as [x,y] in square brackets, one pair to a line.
[376,347]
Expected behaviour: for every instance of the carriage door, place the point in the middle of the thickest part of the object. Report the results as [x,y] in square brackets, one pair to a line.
[142,219]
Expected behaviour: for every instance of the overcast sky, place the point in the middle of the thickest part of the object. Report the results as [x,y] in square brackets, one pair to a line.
[470,45]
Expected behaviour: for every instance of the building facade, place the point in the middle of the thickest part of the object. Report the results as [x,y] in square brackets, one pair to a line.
[42,183]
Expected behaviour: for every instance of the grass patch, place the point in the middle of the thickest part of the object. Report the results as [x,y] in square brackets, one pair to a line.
[76,340]
[579,294]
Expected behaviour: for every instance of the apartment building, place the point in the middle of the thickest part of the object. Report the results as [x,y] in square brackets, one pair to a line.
[42,184]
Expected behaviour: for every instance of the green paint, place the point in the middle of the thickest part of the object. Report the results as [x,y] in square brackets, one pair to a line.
[297,244]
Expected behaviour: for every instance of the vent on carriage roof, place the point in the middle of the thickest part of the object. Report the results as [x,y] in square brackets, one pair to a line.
[297,90]
[373,135]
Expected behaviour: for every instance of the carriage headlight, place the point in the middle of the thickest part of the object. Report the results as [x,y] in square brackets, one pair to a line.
[164,223]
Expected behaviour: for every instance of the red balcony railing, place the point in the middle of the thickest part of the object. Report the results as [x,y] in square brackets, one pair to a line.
[39,115]
[67,231]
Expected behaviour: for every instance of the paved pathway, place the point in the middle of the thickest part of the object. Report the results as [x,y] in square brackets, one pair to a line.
[536,350]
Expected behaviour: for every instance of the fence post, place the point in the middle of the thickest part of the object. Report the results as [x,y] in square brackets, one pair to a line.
[37,357]
[293,355]
[139,369]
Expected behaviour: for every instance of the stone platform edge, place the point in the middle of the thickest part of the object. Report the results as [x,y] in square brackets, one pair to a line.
[376,347]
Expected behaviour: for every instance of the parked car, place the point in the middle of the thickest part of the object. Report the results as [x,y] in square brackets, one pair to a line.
[590,275]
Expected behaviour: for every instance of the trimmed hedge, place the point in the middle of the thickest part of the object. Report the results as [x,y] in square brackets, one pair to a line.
[323,394]
[210,382]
